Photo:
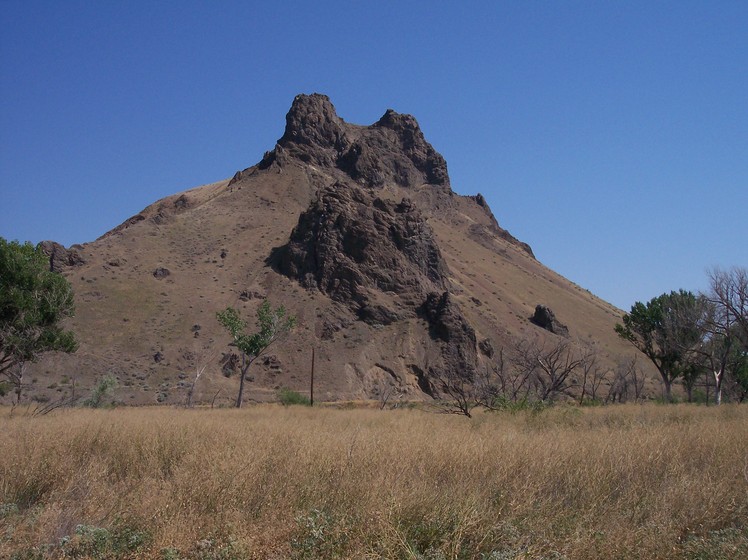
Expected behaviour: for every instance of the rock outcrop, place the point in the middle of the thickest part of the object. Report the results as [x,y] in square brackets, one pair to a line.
[455,335]
[391,150]
[376,256]
[380,259]
[60,258]
[544,317]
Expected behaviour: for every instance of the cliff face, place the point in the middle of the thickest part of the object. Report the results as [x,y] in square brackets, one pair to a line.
[396,280]
[381,260]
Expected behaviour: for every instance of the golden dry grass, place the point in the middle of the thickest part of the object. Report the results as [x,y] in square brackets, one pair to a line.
[270,482]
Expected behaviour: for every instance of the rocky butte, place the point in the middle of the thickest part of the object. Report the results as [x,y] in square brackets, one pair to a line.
[395,279]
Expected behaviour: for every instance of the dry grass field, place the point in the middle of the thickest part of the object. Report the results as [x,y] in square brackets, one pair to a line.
[271,482]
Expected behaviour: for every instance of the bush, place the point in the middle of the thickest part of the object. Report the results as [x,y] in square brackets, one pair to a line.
[514,406]
[91,541]
[101,392]
[288,397]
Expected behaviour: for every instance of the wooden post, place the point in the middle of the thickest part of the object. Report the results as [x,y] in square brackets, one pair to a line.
[311,386]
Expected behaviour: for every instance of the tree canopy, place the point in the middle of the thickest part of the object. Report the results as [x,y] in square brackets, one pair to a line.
[664,329]
[33,302]
[273,324]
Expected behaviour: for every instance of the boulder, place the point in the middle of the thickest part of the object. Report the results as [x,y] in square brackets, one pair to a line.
[545,318]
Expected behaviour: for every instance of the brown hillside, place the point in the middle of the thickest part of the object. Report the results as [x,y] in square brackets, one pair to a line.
[394,278]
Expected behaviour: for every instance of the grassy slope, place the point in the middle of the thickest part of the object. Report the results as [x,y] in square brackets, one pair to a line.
[266,482]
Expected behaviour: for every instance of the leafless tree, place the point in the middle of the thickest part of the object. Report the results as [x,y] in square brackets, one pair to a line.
[599,375]
[591,371]
[386,391]
[200,364]
[725,322]
[550,365]
[459,391]
[729,289]
[15,378]
[514,380]
[497,384]
[619,388]
[638,377]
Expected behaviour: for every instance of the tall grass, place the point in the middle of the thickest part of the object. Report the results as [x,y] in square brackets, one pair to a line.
[277,482]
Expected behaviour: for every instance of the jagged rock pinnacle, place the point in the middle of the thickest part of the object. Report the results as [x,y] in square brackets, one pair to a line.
[392,150]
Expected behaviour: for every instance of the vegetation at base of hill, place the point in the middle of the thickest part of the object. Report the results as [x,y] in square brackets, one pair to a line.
[625,481]
[288,397]
[274,324]
[33,302]
[686,336]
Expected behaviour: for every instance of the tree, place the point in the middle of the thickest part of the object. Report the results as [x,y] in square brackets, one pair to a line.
[33,302]
[664,329]
[725,325]
[273,325]
[101,392]
[548,366]
[729,290]
[461,392]
[201,365]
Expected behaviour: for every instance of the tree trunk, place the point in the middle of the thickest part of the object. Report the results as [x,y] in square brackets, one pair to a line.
[240,396]
[668,389]
[718,376]
[18,380]
[245,366]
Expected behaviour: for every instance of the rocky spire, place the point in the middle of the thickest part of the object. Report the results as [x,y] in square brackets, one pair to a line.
[392,150]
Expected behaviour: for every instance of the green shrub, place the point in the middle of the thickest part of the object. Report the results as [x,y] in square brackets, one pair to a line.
[524,404]
[102,392]
[90,541]
[288,397]
[218,548]
[723,544]
[319,535]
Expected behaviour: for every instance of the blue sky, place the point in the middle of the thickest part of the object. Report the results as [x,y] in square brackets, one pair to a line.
[611,136]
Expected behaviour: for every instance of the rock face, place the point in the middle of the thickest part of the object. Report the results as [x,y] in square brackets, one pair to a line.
[380,259]
[456,336]
[391,150]
[60,258]
[377,256]
[355,247]
[545,318]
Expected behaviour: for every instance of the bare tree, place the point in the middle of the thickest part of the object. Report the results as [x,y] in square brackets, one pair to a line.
[495,385]
[15,378]
[385,392]
[619,388]
[637,378]
[725,323]
[599,375]
[459,390]
[729,289]
[549,365]
[515,382]
[591,373]
[200,364]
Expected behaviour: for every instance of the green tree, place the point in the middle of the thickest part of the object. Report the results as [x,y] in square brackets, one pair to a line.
[33,303]
[273,325]
[665,329]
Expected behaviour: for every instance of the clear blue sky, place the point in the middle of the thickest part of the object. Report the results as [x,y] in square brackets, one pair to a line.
[611,136]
